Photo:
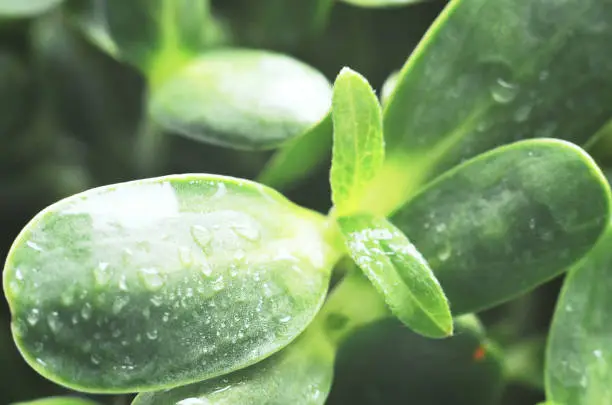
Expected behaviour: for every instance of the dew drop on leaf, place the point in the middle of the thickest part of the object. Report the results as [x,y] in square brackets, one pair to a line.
[33,316]
[102,274]
[201,236]
[151,278]
[54,322]
[247,231]
[86,311]
[504,92]
[119,303]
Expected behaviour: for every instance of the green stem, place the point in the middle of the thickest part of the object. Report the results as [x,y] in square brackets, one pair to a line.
[524,362]
[150,143]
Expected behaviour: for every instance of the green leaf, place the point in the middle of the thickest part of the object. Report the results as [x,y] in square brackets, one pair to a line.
[162,282]
[300,157]
[381,3]
[26,8]
[579,351]
[386,363]
[399,273]
[58,401]
[244,99]
[301,374]
[158,36]
[15,88]
[358,147]
[523,79]
[389,87]
[504,222]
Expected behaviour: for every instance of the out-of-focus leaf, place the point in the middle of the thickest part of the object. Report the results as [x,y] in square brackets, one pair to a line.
[399,273]
[158,36]
[579,352]
[299,157]
[500,71]
[162,282]
[59,401]
[301,374]
[14,91]
[25,8]
[358,146]
[243,99]
[506,221]
[389,87]
[381,3]
[385,363]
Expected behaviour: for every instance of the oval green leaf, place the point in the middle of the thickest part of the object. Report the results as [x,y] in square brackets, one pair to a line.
[385,363]
[399,273]
[162,282]
[499,71]
[59,401]
[243,99]
[300,157]
[23,8]
[506,221]
[579,350]
[301,374]
[358,147]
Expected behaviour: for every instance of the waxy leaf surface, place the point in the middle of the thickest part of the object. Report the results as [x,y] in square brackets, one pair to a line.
[162,282]
[243,99]
[502,223]
[58,401]
[579,350]
[26,8]
[501,71]
[358,147]
[399,272]
[301,374]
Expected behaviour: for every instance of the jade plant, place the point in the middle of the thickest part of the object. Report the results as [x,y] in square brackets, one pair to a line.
[465,185]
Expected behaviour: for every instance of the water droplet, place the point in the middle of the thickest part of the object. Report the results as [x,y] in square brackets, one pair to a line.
[201,236]
[522,113]
[116,333]
[185,256]
[221,190]
[598,353]
[445,252]
[165,317]
[152,334]
[19,328]
[119,303]
[205,267]
[218,284]
[193,401]
[532,223]
[54,322]
[440,228]
[569,308]
[34,246]
[146,312]
[95,359]
[123,283]
[151,278]
[41,362]
[156,300]
[247,231]
[285,319]
[38,347]
[102,274]
[68,296]
[86,311]
[33,316]
[18,275]
[504,92]
[544,75]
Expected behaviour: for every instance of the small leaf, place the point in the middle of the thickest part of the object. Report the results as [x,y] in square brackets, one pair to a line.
[244,99]
[301,374]
[162,282]
[300,157]
[58,401]
[579,352]
[508,220]
[386,363]
[26,8]
[399,273]
[358,147]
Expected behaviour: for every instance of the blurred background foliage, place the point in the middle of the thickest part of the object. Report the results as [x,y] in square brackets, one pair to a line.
[71,117]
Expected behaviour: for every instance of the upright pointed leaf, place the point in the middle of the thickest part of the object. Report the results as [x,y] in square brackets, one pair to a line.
[301,374]
[162,282]
[358,149]
[540,74]
[399,273]
[243,99]
[506,221]
[579,352]
[301,156]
